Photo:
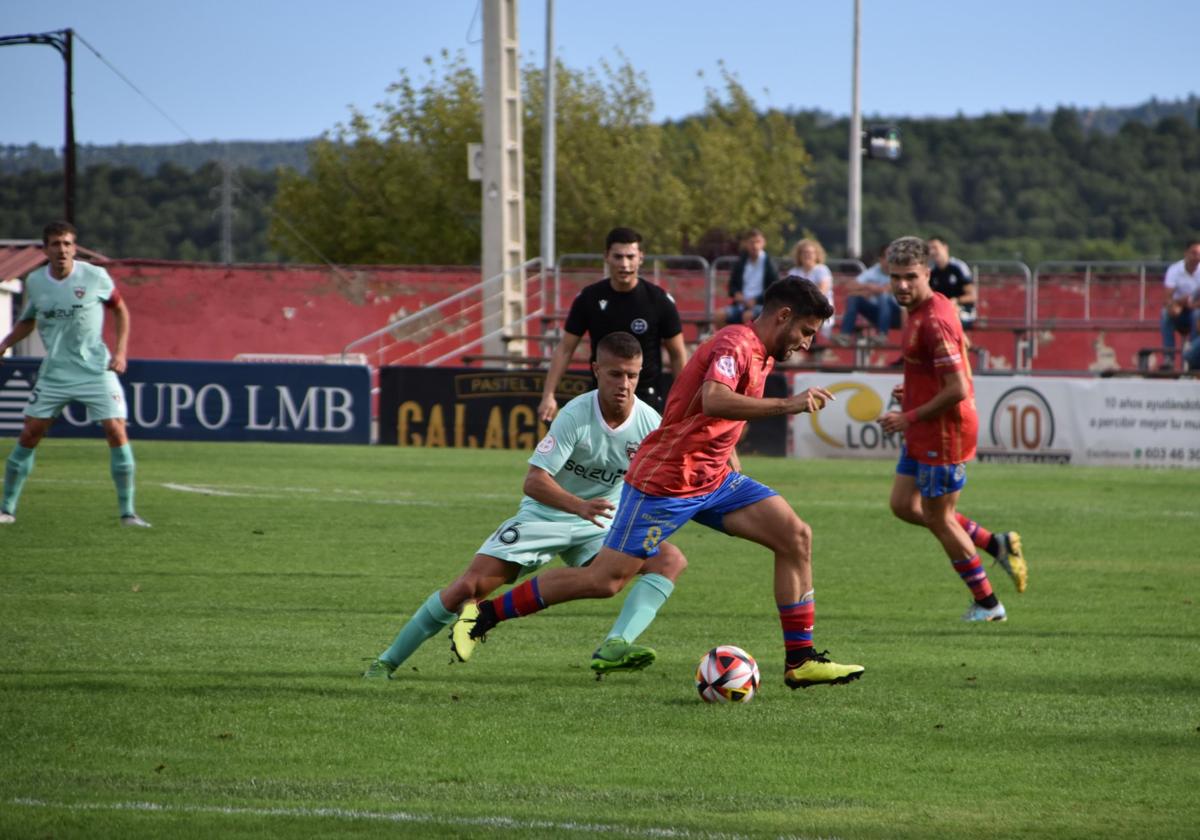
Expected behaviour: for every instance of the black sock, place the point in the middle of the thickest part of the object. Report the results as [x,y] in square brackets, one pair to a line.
[990,601]
[993,546]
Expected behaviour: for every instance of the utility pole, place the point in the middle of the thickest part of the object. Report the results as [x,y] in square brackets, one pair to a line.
[62,41]
[854,202]
[548,151]
[503,182]
[226,210]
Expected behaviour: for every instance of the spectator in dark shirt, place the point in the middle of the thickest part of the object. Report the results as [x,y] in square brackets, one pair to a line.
[623,301]
[751,277]
[951,277]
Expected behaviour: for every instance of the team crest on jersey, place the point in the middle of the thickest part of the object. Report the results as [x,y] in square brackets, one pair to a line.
[603,304]
[727,367]
[79,292]
[546,446]
[638,326]
[630,449]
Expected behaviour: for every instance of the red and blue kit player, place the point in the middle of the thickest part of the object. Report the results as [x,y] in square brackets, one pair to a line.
[687,470]
[940,427]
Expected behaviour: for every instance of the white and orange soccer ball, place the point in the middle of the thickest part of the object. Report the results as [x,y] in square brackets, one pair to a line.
[727,674]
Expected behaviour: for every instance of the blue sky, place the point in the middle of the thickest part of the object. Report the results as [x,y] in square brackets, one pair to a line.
[268,69]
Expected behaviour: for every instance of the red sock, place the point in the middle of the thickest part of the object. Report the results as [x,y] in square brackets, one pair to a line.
[797,620]
[979,535]
[972,572]
[523,599]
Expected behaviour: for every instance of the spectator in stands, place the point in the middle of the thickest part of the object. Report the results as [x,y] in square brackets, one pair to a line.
[871,296]
[950,276]
[808,262]
[751,277]
[625,302]
[1181,309]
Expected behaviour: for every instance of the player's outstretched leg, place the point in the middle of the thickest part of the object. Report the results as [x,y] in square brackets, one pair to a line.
[618,652]
[425,623]
[646,597]
[771,522]
[1006,548]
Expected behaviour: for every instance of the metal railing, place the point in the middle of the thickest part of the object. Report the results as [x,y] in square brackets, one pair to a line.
[443,330]
[666,270]
[1096,275]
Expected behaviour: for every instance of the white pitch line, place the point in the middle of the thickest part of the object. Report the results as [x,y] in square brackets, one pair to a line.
[379,816]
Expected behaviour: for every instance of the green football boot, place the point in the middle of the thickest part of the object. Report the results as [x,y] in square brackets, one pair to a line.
[616,654]
[379,669]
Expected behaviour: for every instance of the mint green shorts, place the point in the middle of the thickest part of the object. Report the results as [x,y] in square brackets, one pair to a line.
[533,543]
[102,394]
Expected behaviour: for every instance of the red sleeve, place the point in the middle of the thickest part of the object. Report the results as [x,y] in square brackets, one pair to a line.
[729,363]
[942,339]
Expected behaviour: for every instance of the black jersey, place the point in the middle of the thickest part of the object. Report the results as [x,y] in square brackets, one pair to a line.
[646,311]
[952,280]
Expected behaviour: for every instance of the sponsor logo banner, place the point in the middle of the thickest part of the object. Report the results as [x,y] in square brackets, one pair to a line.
[216,401]
[1022,419]
[497,409]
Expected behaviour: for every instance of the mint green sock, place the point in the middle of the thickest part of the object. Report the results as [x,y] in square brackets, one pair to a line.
[16,469]
[425,623]
[120,462]
[641,605]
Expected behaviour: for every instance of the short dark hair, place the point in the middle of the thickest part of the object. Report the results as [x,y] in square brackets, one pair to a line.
[751,233]
[58,229]
[938,238]
[802,296]
[622,236]
[620,344]
[908,250]
[1192,243]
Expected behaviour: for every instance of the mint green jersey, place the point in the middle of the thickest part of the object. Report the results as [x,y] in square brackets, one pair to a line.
[585,455]
[70,319]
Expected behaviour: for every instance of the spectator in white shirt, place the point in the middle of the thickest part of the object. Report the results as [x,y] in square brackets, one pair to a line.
[1181,307]
[751,276]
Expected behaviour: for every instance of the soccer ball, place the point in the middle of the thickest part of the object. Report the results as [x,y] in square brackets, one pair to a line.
[727,674]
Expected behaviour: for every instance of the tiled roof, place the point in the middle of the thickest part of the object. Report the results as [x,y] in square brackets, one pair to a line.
[18,257]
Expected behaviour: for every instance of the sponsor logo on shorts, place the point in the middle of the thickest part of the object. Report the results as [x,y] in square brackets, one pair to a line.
[727,367]
[638,326]
[546,446]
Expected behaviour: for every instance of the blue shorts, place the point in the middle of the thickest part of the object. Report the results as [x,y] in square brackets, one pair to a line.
[642,521]
[932,481]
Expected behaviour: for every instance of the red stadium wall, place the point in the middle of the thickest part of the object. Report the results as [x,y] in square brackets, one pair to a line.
[214,312]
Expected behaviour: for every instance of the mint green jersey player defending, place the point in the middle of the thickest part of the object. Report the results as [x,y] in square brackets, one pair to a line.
[66,301]
[571,489]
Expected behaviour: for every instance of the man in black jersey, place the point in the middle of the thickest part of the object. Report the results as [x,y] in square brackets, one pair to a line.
[621,302]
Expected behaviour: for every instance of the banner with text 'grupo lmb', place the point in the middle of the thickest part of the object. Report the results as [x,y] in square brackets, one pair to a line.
[1022,419]
[228,401]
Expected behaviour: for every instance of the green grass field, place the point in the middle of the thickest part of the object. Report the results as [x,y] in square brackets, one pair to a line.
[201,679]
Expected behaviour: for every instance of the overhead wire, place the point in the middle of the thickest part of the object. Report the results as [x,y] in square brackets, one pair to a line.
[271,211]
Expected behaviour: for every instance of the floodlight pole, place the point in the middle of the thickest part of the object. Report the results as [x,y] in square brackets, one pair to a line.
[548,151]
[61,40]
[854,213]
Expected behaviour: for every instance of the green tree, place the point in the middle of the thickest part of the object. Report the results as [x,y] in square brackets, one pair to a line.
[742,169]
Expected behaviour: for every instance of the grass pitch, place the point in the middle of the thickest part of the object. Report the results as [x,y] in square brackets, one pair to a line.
[201,679]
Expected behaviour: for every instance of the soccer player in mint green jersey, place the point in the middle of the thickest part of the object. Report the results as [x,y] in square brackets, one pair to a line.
[66,301]
[571,490]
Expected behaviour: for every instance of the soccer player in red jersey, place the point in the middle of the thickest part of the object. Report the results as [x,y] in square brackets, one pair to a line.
[687,469]
[940,425]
